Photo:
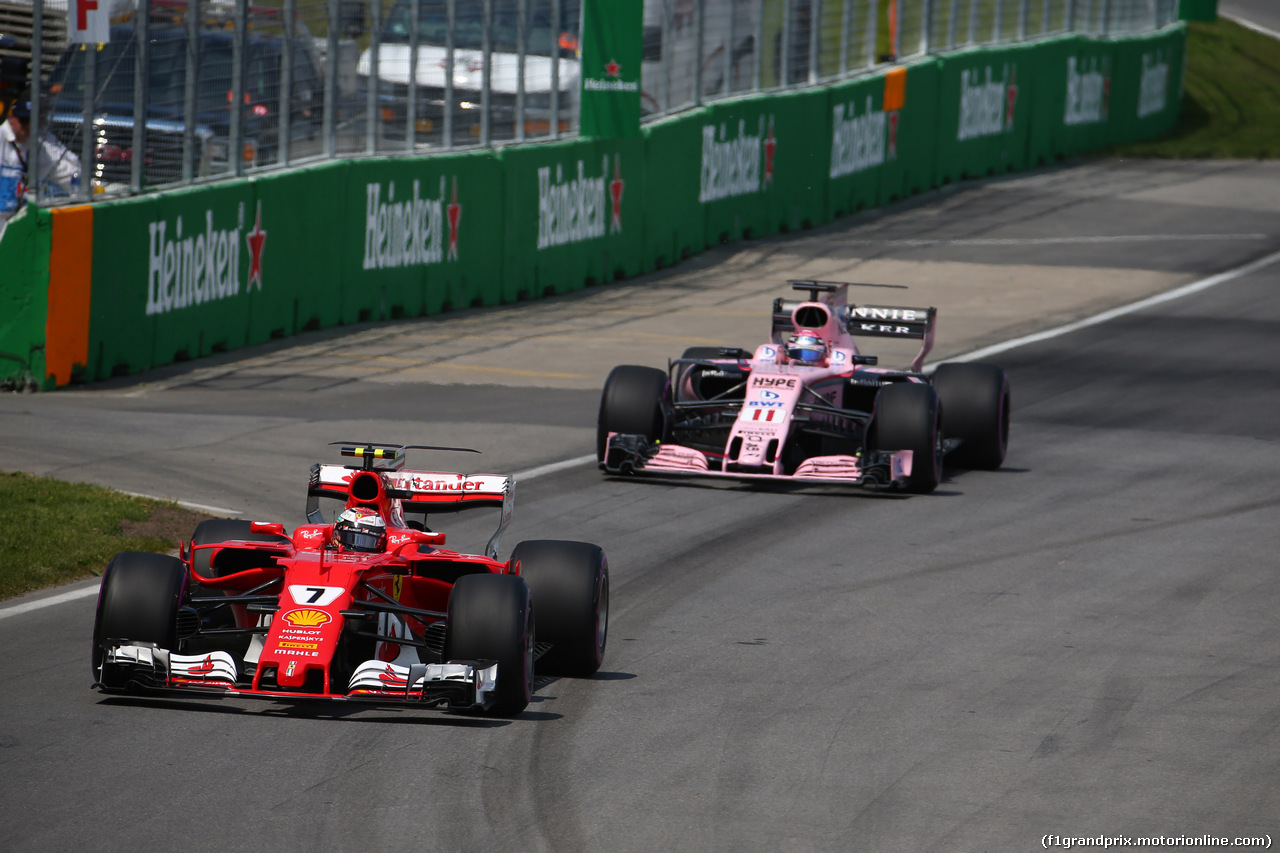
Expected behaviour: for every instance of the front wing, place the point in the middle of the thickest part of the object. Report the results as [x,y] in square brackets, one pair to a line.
[636,454]
[456,685]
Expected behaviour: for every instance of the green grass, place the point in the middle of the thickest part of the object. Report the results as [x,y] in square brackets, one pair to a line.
[58,532]
[1231,104]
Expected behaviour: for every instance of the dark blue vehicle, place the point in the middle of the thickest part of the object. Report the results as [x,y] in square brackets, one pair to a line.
[113,114]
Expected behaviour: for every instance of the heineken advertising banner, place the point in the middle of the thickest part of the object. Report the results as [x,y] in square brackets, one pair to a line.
[181,274]
[1147,90]
[1073,109]
[573,214]
[984,111]
[612,45]
[421,235]
[175,276]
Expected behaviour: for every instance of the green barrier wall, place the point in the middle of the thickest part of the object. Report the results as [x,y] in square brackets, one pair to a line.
[573,214]
[24,298]
[674,221]
[418,236]
[181,274]
[985,105]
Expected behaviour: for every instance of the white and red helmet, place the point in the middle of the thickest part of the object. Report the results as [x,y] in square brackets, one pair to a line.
[361,528]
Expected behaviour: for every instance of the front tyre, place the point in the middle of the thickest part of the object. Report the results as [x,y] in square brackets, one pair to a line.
[634,402]
[975,408]
[491,618]
[569,582]
[908,417]
[138,601]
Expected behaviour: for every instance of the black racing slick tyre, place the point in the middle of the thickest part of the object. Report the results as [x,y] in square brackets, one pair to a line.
[138,600]
[569,582]
[975,408]
[491,618]
[634,402]
[908,417]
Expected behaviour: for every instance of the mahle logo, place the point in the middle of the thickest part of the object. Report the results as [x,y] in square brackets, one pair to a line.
[191,266]
[1153,92]
[986,101]
[1088,90]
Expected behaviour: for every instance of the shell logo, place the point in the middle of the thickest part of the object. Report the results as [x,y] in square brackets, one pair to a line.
[307,618]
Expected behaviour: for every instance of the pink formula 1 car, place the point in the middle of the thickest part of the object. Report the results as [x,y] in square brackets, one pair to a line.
[367,607]
[808,405]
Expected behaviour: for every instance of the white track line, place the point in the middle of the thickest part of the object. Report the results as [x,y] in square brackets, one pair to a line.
[1049,241]
[564,465]
[1159,298]
[212,510]
[1250,25]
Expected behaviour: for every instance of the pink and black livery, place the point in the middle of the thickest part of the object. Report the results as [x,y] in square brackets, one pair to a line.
[386,616]
[808,405]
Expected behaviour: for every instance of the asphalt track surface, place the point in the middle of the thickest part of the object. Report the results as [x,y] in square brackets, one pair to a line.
[1083,643]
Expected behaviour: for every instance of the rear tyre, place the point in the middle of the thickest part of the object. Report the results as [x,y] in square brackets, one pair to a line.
[138,601]
[491,618]
[569,582]
[908,417]
[975,408]
[634,402]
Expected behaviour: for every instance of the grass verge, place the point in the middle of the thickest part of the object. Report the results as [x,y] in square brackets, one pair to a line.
[1231,103]
[59,532]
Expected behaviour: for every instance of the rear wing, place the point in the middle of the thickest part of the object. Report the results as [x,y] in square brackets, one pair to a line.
[422,491]
[890,321]
[827,311]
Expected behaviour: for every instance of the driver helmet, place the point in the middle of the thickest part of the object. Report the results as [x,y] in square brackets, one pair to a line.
[806,347]
[360,529]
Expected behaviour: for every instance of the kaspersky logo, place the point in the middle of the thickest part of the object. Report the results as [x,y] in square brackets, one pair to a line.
[192,266]
[574,209]
[858,142]
[738,166]
[1088,90]
[987,102]
[409,231]
[1153,91]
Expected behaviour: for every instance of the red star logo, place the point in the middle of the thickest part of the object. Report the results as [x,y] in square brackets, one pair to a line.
[615,192]
[1012,96]
[256,239]
[769,145]
[613,69]
[454,211]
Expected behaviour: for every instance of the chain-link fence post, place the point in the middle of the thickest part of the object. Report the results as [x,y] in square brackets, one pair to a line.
[486,75]
[89,101]
[37,103]
[372,113]
[329,121]
[284,105]
[141,79]
[192,65]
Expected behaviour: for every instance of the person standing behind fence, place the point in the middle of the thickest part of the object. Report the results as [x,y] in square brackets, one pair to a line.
[59,168]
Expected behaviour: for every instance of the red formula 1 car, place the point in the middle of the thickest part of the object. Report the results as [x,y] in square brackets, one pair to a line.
[368,607]
[808,406]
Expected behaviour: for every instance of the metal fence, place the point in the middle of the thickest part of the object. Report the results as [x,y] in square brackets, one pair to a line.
[228,88]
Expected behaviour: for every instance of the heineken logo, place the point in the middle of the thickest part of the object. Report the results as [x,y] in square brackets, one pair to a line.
[410,231]
[1088,90]
[574,209]
[858,142]
[613,83]
[190,267]
[1153,90]
[987,102]
[738,166]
